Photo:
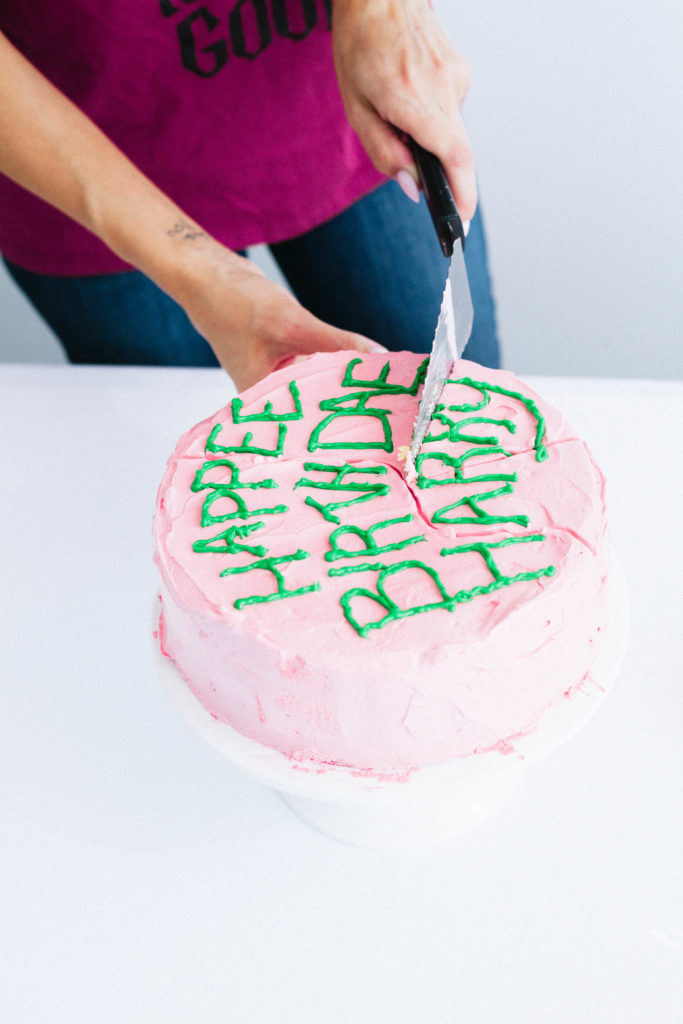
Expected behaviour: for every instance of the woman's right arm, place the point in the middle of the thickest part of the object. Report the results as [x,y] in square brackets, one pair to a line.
[51,148]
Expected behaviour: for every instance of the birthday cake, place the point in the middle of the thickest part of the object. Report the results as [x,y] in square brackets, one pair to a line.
[328,605]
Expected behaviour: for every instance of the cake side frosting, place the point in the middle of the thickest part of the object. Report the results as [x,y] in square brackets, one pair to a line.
[321,604]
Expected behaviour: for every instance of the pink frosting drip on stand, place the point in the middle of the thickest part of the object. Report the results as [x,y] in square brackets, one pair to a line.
[293,673]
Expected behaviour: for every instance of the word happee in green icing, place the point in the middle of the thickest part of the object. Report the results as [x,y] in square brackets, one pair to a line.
[453,432]
[360,409]
[528,403]
[448,602]
[267,415]
[367,491]
[246,447]
[480,516]
[229,542]
[381,383]
[456,463]
[367,536]
[271,565]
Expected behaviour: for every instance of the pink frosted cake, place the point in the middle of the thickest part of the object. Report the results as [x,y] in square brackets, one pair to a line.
[321,604]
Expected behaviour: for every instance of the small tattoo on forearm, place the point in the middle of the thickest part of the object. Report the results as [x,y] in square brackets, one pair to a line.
[186,230]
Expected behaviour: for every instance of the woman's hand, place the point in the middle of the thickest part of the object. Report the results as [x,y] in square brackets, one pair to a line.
[253,325]
[397,70]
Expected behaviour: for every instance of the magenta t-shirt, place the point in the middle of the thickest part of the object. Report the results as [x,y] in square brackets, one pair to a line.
[230,106]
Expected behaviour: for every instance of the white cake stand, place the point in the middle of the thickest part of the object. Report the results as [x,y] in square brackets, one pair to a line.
[432,803]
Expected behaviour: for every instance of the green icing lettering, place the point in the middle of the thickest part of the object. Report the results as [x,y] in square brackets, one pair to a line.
[454,430]
[240,512]
[267,415]
[380,597]
[381,383]
[448,602]
[484,549]
[246,447]
[233,484]
[233,540]
[483,387]
[340,483]
[271,565]
[339,407]
[229,490]
[455,462]
[465,406]
[480,516]
[344,570]
[368,539]
[229,542]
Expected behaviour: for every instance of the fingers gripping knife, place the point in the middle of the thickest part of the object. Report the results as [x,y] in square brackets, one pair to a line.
[454,325]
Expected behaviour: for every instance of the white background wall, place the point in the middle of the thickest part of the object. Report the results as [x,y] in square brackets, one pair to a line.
[575,115]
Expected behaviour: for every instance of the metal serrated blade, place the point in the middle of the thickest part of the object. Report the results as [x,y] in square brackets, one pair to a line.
[453,330]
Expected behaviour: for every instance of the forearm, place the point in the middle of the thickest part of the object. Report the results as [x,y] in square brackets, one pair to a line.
[50,147]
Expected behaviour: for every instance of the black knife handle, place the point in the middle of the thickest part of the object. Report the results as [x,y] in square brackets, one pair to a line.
[439,198]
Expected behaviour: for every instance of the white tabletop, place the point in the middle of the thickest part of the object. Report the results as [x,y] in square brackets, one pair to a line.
[142,879]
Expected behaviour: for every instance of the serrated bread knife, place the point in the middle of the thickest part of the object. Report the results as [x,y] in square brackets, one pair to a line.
[454,325]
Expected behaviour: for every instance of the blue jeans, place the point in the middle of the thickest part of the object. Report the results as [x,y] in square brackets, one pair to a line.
[376,269]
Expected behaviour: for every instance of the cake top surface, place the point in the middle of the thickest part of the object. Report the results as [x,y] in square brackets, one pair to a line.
[289,515]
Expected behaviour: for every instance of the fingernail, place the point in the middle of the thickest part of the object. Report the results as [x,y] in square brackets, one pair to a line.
[408,185]
[378,348]
[466,227]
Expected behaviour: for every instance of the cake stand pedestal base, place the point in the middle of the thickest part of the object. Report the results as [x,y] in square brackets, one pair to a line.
[406,818]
